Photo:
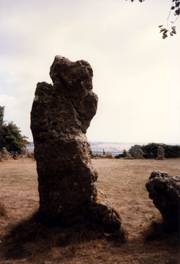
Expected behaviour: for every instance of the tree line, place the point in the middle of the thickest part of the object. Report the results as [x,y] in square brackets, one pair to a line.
[150,150]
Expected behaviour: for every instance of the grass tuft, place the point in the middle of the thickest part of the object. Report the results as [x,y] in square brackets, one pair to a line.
[157,231]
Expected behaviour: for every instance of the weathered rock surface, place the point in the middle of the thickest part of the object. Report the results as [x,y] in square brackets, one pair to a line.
[15,155]
[160,153]
[138,154]
[60,116]
[165,192]
[24,153]
[31,155]
[5,153]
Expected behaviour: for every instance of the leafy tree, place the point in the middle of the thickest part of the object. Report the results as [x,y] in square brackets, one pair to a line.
[175,6]
[12,138]
[1,121]
[150,150]
[133,148]
[1,114]
[10,135]
[172,151]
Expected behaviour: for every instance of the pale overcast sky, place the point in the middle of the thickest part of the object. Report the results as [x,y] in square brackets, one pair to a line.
[136,72]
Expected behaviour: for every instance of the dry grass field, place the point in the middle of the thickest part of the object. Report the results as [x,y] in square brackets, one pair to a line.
[23,240]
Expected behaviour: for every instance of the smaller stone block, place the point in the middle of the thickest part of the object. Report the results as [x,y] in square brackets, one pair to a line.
[138,154]
[164,190]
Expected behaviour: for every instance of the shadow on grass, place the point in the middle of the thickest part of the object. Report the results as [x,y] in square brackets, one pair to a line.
[30,237]
[158,232]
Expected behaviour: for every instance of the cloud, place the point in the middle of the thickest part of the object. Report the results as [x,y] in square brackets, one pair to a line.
[136,73]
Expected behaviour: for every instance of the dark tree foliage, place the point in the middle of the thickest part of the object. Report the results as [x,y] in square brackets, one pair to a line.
[172,151]
[11,137]
[1,121]
[171,30]
[123,155]
[150,150]
[119,156]
[133,148]
[1,114]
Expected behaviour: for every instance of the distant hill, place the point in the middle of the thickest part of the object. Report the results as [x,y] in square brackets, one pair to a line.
[98,147]
[114,147]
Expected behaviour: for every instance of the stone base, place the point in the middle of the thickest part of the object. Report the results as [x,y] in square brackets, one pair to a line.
[98,215]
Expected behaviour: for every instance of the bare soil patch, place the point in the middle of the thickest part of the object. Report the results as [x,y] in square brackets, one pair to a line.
[24,240]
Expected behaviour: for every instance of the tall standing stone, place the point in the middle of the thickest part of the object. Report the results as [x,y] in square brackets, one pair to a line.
[160,153]
[60,116]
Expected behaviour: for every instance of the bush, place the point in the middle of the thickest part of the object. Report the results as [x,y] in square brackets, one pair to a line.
[133,148]
[172,151]
[123,155]
[119,156]
[11,137]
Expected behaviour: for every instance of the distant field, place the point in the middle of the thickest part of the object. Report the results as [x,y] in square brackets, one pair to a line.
[30,147]
[100,146]
[123,181]
[110,147]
